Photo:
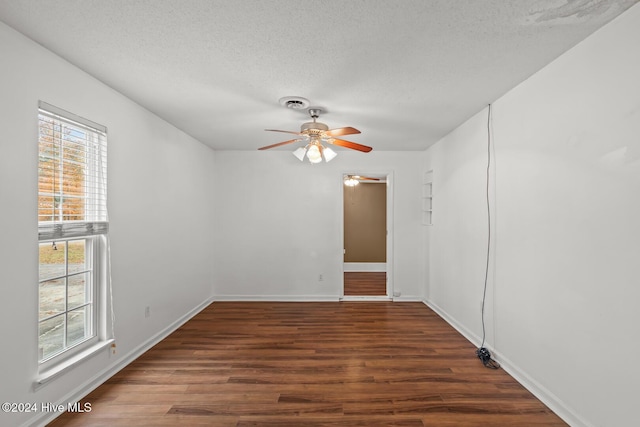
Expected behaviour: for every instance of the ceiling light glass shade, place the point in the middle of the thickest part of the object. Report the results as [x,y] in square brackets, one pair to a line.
[351,182]
[313,154]
[329,154]
[299,153]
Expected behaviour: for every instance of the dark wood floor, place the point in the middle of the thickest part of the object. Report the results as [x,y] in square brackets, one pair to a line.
[368,283]
[312,364]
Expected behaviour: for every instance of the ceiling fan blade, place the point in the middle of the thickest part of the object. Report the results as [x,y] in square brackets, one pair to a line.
[279,144]
[352,145]
[365,178]
[285,131]
[342,131]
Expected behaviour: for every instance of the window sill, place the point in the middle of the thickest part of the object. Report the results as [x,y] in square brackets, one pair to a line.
[48,375]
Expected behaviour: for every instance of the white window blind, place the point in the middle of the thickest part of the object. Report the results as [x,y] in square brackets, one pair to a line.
[72,175]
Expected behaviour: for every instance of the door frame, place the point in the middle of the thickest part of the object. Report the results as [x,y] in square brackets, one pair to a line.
[389,239]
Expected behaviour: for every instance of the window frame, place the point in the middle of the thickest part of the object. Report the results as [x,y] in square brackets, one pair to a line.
[93,230]
[92,301]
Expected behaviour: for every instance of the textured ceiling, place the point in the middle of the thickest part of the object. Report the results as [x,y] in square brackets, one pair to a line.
[403,72]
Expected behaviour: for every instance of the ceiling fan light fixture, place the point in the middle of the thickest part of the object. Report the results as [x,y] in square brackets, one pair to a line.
[313,154]
[299,153]
[329,154]
[351,182]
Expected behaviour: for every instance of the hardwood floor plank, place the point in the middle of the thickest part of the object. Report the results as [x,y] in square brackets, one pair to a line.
[312,364]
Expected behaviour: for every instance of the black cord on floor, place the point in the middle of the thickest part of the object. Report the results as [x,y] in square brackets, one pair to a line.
[483,354]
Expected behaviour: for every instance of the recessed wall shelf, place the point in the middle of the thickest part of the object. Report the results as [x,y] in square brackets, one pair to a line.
[427,198]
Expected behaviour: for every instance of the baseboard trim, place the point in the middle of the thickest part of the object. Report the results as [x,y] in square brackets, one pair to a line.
[538,390]
[470,336]
[313,298]
[407,298]
[102,376]
[349,267]
[278,298]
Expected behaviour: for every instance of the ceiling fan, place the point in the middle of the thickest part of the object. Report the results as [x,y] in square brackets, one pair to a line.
[313,134]
[353,180]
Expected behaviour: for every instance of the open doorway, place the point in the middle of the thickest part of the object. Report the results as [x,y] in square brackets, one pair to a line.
[365,236]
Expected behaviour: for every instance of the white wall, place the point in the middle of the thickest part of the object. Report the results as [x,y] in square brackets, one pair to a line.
[565,273]
[160,206]
[279,223]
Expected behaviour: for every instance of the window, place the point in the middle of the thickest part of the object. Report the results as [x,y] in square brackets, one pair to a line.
[72,228]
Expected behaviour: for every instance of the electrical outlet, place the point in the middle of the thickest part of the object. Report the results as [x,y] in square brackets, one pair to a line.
[320,277]
[147,311]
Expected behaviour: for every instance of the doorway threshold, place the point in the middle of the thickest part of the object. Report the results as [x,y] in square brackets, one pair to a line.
[365,298]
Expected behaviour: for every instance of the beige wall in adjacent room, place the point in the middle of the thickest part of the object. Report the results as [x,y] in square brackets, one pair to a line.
[365,220]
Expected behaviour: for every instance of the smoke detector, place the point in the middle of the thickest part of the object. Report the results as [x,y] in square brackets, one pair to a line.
[294,102]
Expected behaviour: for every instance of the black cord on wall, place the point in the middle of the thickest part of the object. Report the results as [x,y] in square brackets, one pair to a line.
[483,354]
